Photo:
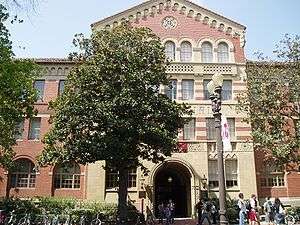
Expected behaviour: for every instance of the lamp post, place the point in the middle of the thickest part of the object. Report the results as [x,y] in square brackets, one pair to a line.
[215,89]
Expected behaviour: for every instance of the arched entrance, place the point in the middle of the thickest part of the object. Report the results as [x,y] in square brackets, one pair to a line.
[173,181]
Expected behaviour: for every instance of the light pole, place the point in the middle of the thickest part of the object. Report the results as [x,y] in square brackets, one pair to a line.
[215,89]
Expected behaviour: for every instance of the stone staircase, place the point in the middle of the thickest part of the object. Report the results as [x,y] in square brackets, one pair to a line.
[185,222]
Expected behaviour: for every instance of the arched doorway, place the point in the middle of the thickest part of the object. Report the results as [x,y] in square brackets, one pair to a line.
[173,181]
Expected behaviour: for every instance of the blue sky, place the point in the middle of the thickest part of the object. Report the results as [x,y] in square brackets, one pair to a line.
[49,31]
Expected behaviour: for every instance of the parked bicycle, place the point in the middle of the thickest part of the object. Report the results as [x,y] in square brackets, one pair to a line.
[96,221]
[11,219]
[25,220]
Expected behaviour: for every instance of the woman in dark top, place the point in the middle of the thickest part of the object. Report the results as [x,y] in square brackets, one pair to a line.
[279,211]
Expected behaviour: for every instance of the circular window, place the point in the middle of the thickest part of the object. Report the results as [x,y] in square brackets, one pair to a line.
[169,22]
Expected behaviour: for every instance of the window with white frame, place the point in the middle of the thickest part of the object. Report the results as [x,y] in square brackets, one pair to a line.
[231,170]
[227,90]
[187,87]
[67,176]
[272,176]
[206,52]
[23,174]
[19,131]
[112,178]
[171,90]
[213,175]
[189,130]
[223,52]
[170,50]
[185,51]
[61,87]
[34,128]
[39,86]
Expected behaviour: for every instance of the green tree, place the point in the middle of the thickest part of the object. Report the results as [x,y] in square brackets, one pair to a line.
[17,94]
[272,103]
[111,108]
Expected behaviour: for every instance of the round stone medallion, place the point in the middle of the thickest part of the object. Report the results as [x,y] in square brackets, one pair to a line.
[169,22]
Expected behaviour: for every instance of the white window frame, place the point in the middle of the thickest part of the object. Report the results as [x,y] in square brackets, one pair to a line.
[186,51]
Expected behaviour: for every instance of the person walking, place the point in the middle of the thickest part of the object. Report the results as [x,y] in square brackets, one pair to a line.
[253,211]
[279,211]
[269,210]
[205,212]
[199,207]
[172,209]
[161,213]
[243,210]
[214,212]
[168,214]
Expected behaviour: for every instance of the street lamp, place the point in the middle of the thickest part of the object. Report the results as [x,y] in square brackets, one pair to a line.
[214,87]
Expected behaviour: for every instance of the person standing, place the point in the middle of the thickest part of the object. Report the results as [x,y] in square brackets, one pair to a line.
[199,207]
[161,213]
[279,211]
[168,214]
[253,212]
[214,212]
[205,212]
[268,208]
[172,209]
[243,210]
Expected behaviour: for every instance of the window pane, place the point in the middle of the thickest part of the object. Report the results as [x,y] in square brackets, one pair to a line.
[185,52]
[23,174]
[206,93]
[170,50]
[67,176]
[213,173]
[231,173]
[206,52]
[227,90]
[171,90]
[189,130]
[61,87]
[34,128]
[39,86]
[231,125]
[210,129]
[132,178]
[19,131]
[223,54]
[187,89]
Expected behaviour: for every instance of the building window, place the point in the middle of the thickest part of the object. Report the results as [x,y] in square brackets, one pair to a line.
[67,176]
[19,131]
[272,177]
[213,174]
[39,86]
[187,89]
[171,90]
[210,129]
[112,178]
[61,87]
[226,90]
[206,52]
[231,170]
[223,53]
[170,50]
[23,174]
[189,130]
[231,125]
[34,128]
[185,52]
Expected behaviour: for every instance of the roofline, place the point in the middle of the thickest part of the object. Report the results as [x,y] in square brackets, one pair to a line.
[50,60]
[145,3]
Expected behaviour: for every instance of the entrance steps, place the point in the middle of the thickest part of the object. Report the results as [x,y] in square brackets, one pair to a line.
[185,221]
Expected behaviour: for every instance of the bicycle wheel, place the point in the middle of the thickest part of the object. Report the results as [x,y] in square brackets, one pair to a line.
[289,220]
[96,222]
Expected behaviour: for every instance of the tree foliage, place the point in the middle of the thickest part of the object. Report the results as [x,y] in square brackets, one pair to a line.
[272,103]
[111,108]
[17,94]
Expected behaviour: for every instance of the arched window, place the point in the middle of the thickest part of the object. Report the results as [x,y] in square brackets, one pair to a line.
[186,52]
[206,52]
[67,176]
[170,50]
[223,53]
[23,174]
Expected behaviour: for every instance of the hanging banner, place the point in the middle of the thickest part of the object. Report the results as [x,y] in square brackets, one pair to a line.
[225,135]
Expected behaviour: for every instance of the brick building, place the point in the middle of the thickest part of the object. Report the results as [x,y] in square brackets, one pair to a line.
[200,43]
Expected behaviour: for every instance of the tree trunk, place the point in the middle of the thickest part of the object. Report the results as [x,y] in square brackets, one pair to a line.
[122,194]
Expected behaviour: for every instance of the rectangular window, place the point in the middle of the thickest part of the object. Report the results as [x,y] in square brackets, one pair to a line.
[39,86]
[171,90]
[189,130]
[231,169]
[132,178]
[187,89]
[210,129]
[213,174]
[19,131]
[231,125]
[226,90]
[112,178]
[34,128]
[272,177]
[61,87]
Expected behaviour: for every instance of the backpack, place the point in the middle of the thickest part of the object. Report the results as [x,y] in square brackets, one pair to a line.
[248,206]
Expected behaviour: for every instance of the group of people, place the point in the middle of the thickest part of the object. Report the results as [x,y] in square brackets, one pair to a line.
[166,212]
[206,210]
[274,211]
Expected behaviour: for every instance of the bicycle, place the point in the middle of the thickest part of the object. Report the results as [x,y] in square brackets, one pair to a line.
[82,220]
[25,220]
[289,220]
[96,221]
[12,219]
